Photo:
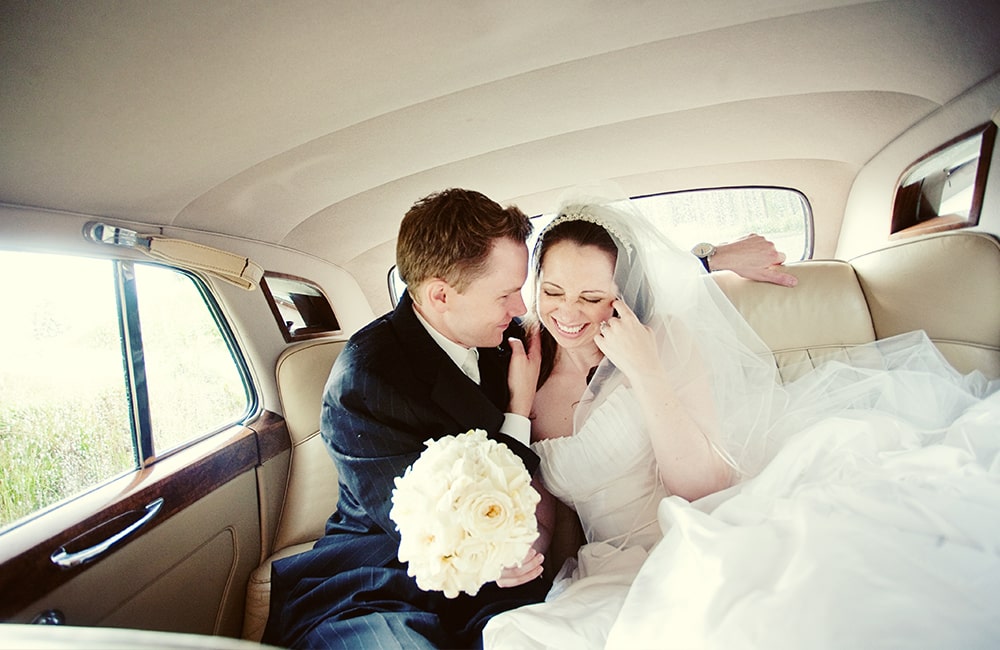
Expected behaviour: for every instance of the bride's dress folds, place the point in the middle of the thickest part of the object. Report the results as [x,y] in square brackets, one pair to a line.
[606,471]
[864,531]
[875,523]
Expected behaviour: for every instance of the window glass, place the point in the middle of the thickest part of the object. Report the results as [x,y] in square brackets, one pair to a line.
[194,385]
[713,215]
[64,415]
[726,214]
[74,413]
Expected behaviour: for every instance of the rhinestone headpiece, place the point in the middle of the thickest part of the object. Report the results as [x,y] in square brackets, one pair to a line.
[581,214]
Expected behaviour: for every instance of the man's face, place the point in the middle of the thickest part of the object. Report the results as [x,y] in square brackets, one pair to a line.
[478,316]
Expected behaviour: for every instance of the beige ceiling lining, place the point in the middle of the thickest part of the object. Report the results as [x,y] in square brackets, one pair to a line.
[185,95]
[611,88]
[671,142]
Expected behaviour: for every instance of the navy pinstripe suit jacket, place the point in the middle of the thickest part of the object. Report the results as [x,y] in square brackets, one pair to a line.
[391,388]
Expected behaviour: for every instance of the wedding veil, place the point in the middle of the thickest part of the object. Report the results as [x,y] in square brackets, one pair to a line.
[703,340]
[708,348]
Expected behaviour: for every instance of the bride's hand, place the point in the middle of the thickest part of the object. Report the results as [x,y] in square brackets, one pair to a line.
[522,374]
[629,344]
[531,567]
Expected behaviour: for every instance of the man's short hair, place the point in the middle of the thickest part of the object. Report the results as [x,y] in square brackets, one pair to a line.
[449,235]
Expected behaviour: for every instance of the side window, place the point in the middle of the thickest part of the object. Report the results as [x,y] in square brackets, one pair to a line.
[107,366]
[194,385]
[714,215]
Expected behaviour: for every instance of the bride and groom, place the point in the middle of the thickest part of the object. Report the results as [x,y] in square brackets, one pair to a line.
[651,385]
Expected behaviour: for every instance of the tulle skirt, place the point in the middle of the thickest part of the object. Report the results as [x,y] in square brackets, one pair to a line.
[872,520]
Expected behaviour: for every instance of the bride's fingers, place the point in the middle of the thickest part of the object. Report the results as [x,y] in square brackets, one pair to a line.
[624,311]
[530,569]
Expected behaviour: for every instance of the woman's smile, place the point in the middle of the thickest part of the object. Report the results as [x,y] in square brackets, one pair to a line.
[569,330]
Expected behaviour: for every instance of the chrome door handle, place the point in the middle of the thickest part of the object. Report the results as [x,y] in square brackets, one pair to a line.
[67,559]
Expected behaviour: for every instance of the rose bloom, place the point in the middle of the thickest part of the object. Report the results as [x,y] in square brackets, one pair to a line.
[464,510]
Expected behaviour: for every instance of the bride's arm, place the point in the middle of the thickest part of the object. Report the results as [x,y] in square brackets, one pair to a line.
[689,466]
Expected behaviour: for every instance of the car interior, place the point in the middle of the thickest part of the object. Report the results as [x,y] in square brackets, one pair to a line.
[254,160]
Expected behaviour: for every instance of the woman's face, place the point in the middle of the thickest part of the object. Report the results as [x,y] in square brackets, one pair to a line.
[575,291]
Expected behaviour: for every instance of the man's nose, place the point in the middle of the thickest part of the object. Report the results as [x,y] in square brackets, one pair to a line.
[518,308]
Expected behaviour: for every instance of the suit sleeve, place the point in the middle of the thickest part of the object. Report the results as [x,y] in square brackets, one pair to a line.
[363,425]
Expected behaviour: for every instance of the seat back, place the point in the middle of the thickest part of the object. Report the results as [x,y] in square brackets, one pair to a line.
[823,317]
[947,284]
[312,489]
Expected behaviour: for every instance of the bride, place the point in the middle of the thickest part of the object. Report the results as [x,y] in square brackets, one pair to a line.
[722,509]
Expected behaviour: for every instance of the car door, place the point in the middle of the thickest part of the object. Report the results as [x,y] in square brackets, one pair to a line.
[132,439]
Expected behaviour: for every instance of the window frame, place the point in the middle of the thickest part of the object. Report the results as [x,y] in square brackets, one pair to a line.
[905,220]
[809,231]
[138,389]
[141,432]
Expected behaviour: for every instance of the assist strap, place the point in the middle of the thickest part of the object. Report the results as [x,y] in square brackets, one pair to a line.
[235,269]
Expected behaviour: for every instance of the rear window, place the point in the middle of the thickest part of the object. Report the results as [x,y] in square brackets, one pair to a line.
[717,215]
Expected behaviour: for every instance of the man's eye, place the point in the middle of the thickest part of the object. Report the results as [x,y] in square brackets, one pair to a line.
[593,301]
[551,294]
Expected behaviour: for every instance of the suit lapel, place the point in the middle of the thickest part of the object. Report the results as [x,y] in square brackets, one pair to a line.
[454,393]
[493,375]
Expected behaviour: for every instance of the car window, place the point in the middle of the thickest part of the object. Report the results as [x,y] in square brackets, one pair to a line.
[107,366]
[725,214]
[717,215]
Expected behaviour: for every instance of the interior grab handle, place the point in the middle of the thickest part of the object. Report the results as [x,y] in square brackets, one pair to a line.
[67,558]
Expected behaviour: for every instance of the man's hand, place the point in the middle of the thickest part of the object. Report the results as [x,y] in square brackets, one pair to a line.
[522,375]
[754,258]
[531,567]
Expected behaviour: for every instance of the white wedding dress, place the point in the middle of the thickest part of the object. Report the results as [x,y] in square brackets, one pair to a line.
[875,523]
[607,472]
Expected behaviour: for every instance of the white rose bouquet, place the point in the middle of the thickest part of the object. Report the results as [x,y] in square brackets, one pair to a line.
[464,510]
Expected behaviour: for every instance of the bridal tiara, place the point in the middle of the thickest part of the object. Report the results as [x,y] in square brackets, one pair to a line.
[581,214]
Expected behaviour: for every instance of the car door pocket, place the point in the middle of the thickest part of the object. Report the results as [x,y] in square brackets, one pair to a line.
[102,538]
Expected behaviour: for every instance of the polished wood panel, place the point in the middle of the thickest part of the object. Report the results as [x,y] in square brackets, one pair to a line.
[180,479]
[272,435]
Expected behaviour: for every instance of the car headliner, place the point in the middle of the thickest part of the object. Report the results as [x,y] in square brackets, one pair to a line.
[314,125]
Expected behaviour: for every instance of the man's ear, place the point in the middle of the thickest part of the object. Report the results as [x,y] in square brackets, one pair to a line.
[436,293]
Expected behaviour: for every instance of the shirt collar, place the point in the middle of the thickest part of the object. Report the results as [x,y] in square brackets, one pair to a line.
[455,351]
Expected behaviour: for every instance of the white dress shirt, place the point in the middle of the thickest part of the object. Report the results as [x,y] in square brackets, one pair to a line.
[467,359]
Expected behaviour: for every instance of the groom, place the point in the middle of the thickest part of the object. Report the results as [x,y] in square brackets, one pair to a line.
[409,376]
[437,365]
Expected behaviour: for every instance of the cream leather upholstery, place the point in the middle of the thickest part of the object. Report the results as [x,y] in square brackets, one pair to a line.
[947,284]
[821,318]
[312,489]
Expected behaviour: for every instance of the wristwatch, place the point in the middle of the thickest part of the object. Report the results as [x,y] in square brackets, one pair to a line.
[704,251]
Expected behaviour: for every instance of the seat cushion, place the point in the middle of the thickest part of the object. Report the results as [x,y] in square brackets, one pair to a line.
[259,592]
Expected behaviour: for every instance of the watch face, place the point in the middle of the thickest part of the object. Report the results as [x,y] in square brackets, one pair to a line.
[703,250]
